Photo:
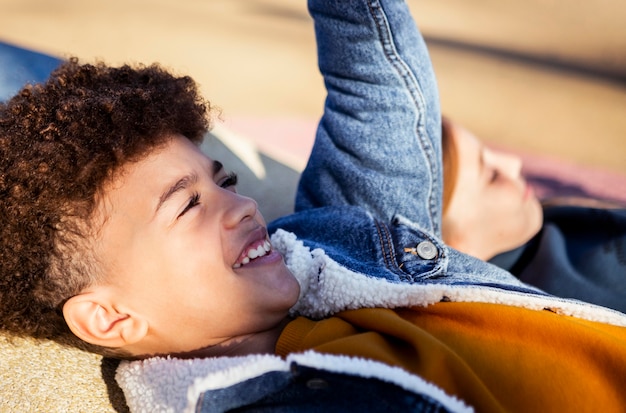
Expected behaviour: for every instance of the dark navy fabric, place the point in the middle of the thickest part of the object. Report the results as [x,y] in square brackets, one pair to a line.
[579,253]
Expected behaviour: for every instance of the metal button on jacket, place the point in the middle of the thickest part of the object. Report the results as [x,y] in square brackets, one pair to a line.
[426,250]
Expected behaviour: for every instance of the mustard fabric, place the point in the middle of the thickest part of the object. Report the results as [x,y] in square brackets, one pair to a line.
[494,357]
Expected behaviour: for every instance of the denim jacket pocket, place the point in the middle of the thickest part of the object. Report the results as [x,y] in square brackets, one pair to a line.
[417,255]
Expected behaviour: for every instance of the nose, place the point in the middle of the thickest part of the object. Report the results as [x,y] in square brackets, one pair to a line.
[238,208]
[508,164]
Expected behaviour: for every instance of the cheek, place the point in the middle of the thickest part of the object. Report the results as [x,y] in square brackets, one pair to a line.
[195,241]
[488,211]
[502,209]
[514,219]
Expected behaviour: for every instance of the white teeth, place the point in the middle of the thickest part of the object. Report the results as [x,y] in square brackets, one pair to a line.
[257,252]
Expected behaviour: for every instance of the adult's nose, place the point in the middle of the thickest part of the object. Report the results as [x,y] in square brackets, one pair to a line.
[507,163]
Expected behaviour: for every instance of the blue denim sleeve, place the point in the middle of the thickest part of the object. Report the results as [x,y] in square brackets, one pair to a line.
[378,142]
[20,66]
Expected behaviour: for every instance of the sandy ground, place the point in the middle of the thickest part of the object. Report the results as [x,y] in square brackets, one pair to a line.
[544,76]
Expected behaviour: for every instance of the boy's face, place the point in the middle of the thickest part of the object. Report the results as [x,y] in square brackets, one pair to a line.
[176,244]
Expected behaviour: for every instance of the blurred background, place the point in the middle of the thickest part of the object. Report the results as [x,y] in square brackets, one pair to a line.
[537,76]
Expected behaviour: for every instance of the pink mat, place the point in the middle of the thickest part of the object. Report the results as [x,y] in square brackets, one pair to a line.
[291,139]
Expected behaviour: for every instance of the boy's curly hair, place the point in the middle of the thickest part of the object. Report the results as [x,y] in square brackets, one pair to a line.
[60,143]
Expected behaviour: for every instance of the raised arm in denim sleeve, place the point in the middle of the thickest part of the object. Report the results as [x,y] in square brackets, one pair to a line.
[378,142]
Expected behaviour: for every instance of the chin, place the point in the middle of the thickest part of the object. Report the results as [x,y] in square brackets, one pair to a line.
[520,235]
[295,293]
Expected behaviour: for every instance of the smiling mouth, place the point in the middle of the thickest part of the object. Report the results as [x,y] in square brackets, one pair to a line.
[253,253]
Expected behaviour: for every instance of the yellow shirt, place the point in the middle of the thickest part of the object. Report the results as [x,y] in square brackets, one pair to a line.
[494,357]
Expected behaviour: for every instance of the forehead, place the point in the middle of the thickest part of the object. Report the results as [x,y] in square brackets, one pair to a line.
[468,147]
[177,155]
[144,181]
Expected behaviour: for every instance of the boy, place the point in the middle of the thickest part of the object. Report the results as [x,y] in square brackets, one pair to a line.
[126,235]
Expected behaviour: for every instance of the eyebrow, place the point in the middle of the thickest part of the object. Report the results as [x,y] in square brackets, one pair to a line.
[184,183]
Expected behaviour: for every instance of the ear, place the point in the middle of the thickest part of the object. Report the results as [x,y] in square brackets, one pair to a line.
[95,319]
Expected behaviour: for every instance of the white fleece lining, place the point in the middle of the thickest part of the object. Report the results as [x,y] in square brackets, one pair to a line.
[163,384]
[327,288]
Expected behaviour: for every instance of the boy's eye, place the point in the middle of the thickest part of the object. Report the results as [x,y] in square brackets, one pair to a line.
[230,180]
[195,200]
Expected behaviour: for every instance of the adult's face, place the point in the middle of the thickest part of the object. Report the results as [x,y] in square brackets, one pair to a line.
[492,208]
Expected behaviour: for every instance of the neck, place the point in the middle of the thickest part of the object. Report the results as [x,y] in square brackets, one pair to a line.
[263,342]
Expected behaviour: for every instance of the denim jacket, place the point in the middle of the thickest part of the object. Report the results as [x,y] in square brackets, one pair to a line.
[366,233]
